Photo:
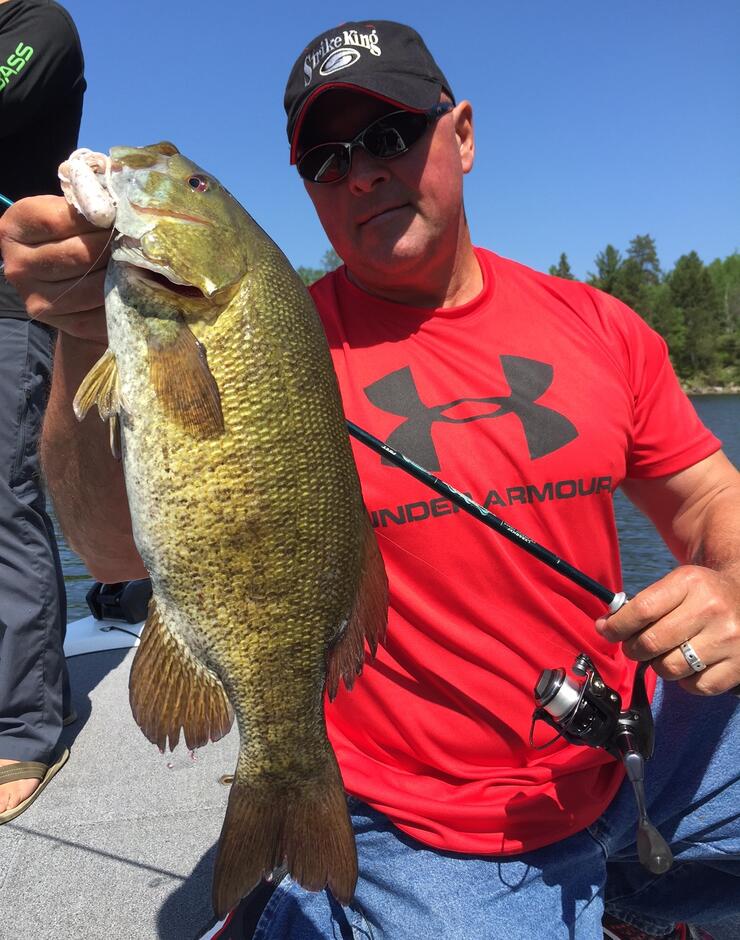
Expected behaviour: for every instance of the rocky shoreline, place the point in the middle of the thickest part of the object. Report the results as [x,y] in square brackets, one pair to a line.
[710,389]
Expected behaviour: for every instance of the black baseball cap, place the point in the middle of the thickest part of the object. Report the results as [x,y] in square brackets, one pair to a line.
[386,59]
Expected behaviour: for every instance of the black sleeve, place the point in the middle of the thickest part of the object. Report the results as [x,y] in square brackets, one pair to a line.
[40,60]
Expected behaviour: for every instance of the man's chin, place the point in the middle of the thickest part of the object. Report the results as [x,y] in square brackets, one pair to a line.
[387,273]
[391,255]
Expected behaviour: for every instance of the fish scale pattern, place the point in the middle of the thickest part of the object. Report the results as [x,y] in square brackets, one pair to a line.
[254,534]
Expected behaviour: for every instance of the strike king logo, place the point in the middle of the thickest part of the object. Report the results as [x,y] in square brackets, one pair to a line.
[545,430]
[338,52]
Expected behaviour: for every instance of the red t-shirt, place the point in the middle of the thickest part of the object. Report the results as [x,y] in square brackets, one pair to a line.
[537,398]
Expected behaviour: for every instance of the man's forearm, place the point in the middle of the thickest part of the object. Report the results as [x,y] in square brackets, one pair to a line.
[85,481]
[709,523]
[718,542]
[696,511]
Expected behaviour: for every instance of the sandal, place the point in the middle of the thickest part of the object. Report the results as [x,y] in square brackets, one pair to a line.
[29,770]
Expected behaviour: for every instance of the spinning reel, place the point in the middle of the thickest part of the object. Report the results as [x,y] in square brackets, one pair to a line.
[585,710]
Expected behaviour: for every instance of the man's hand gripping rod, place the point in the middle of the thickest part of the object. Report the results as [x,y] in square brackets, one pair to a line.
[584,710]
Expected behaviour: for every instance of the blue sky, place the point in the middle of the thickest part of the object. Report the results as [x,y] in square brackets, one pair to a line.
[594,121]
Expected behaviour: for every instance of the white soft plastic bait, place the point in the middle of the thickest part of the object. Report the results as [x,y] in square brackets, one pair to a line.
[84,177]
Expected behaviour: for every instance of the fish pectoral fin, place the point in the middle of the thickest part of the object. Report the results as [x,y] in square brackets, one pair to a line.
[184,384]
[305,826]
[367,621]
[169,690]
[102,387]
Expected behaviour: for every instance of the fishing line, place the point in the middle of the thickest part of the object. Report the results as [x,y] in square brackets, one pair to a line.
[411,554]
[89,270]
[33,319]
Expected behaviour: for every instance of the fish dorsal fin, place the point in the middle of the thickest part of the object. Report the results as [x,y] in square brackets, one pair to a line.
[101,386]
[184,384]
[169,690]
[367,621]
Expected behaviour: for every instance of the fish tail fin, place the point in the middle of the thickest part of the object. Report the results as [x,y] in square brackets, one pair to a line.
[368,620]
[307,830]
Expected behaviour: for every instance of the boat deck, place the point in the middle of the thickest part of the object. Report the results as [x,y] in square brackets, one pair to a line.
[121,844]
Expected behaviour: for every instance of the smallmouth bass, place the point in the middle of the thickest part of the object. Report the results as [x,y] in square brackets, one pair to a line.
[246,510]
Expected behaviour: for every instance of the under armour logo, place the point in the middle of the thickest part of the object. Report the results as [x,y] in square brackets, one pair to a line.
[545,430]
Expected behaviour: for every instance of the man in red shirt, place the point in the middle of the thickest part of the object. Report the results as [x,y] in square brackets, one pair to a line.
[539,397]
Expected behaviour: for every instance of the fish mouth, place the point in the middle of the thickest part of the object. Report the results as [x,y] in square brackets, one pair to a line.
[128,251]
[169,214]
[161,282]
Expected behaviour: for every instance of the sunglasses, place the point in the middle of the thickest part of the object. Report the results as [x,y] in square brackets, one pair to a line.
[389,136]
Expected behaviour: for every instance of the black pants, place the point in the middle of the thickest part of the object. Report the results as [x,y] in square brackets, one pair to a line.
[34,685]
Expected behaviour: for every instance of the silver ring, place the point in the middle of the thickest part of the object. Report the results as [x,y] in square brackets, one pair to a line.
[689,654]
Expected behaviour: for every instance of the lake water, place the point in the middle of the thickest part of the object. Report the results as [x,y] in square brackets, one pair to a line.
[644,556]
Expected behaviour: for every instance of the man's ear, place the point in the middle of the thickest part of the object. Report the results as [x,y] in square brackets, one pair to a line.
[463,115]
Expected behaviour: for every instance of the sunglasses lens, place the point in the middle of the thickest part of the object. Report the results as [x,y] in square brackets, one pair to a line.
[387,137]
[394,134]
[324,164]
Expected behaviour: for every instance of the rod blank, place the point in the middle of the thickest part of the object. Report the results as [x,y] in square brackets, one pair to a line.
[487,518]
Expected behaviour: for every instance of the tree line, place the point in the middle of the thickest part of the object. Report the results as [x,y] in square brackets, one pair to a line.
[329,261]
[695,307]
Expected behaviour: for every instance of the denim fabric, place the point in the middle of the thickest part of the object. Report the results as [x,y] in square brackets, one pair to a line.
[407,891]
[693,786]
[33,672]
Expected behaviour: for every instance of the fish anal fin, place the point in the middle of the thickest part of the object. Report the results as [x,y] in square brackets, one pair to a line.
[307,830]
[184,385]
[101,387]
[367,621]
[170,690]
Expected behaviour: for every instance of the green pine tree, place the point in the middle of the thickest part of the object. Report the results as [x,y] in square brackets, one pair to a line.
[562,268]
[643,252]
[639,272]
[693,293]
[668,320]
[608,262]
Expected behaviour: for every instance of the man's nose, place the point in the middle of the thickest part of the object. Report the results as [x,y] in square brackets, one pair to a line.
[366,172]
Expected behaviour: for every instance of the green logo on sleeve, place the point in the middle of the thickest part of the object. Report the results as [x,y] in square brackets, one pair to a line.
[14,63]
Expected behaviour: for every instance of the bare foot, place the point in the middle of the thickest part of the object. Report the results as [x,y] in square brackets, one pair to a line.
[11,794]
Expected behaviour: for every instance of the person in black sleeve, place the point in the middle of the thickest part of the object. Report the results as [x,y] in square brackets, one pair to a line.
[41,91]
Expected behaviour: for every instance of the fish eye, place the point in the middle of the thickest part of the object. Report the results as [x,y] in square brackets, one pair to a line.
[198,183]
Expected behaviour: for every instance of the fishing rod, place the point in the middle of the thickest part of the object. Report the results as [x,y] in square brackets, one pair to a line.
[584,710]
[613,600]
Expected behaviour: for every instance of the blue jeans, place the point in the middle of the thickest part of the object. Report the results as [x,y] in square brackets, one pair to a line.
[407,891]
